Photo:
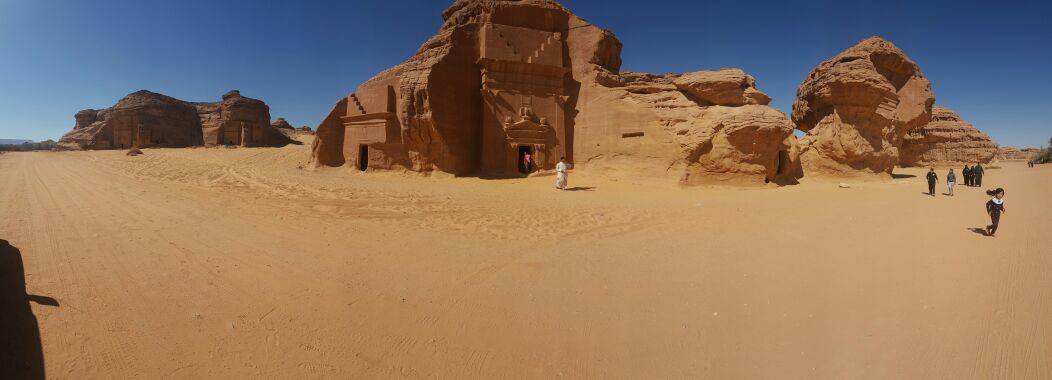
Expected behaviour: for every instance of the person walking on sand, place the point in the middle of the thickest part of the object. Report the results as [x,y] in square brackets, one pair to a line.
[951,180]
[977,173]
[967,173]
[560,174]
[995,207]
[932,179]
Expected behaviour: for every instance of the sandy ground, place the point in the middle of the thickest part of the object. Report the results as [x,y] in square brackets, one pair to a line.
[218,263]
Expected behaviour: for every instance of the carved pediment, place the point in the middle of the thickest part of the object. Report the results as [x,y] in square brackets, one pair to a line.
[527,131]
[528,125]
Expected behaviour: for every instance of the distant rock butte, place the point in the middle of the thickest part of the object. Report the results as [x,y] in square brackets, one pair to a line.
[946,140]
[281,123]
[1007,153]
[856,109]
[147,119]
[505,78]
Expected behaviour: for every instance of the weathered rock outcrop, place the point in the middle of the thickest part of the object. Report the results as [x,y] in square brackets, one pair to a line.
[946,140]
[147,119]
[281,123]
[238,120]
[699,127]
[726,87]
[857,107]
[506,78]
[1007,153]
[142,118]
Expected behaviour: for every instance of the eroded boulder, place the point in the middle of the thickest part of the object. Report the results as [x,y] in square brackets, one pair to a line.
[857,107]
[727,87]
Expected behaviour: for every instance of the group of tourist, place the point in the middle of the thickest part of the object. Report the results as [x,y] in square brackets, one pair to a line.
[973,176]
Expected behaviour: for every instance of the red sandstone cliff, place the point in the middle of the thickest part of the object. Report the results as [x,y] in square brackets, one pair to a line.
[147,119]
[503,78]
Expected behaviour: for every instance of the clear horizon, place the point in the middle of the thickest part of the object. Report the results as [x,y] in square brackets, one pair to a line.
[59,57]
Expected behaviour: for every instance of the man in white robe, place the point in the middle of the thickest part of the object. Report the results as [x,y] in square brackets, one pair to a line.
[560,174]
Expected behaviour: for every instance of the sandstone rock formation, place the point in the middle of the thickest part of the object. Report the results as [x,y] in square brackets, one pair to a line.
[281,123]
[1007,153]
[700,127]
[857,107]
[238,120]
[506,78]
[946,140]
[144,118]
[147,119]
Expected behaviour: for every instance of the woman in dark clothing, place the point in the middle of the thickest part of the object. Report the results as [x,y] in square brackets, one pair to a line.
[932,179]
[995,207]
[967,173]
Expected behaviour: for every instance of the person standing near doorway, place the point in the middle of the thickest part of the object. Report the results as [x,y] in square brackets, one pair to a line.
[994,207]
[932,179]
[951,180]
[977,172]
[527,163]
[560,174]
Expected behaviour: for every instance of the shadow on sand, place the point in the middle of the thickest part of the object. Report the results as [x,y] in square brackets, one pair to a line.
[580,188]
[901,176]
[21,355]
[980,231]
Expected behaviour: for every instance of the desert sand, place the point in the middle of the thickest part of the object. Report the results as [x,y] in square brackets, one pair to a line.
[219,263]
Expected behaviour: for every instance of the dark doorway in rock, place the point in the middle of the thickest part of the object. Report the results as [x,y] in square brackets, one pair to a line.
[781,165]
[363,157]
[525,159]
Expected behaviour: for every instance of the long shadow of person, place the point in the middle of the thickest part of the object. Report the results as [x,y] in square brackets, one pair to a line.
[21,355]
[980,231]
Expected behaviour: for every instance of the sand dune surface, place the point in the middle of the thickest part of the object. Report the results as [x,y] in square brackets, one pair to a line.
[219,263]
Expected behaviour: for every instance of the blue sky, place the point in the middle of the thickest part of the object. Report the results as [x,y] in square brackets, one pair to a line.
[988,61]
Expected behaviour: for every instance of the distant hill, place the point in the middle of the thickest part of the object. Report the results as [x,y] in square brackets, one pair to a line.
[13,141]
